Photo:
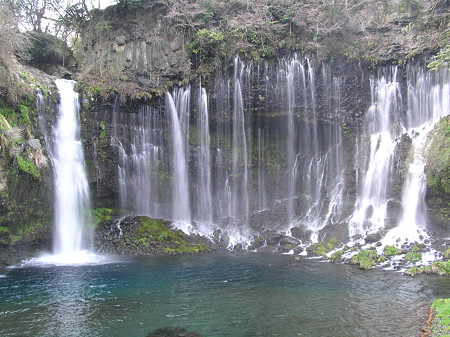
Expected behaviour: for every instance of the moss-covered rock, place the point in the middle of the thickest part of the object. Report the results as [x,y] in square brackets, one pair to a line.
[323,247]
[446,254]
[414,271]
[438,158]
[365,259]
[413,256]
[392,250]
[141,235]
[337,256]
[441,268]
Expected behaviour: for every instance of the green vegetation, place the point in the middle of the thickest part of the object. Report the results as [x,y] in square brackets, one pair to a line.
[29,230]
[441,60]
[5,236]
[441,322]
[441,267]
[18,116]
[27,167]
[101,214]
[438,158]
[337,256]
[322,248]
[446,254]
[102,128]
[392,250]
[159,232]
[413,271]
[413,256]
[207,41]
[365,259]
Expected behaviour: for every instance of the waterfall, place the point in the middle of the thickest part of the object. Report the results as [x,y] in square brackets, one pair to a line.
[239,171]
[428,101]
[204,208]
[178,108]
[382,126]
[140,152]
[294,73]
[271,147]
[72,192]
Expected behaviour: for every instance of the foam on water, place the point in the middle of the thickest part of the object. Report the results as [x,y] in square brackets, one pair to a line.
[83,257]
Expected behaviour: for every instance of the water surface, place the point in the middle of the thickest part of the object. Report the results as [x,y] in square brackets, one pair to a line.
[239,295]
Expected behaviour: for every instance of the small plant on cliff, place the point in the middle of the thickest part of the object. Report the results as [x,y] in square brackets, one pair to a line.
[101,214]
[441,60]
[27,167]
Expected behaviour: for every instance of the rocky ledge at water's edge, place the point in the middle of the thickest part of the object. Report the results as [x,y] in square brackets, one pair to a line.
[141,235]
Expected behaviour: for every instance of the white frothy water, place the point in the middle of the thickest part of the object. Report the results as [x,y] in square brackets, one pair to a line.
[428,101]
[381,126]
[72,190]
[72,236]
[178,107]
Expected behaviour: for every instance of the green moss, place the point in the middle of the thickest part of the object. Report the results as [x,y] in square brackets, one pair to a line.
[102,128]
[381,259]
[287,248]
[186,249]
[5,236]
[446,254]
[15,238]
[413,257]
[322,248]
[10,115]
[4,230]
[101,214]
[415,249]
[337,256]
[413,271]
[441,60]
[438,158]
[441,322]
[24,117]
[160,232]
[441,267]
[27,167]
[392,250]
[365,259]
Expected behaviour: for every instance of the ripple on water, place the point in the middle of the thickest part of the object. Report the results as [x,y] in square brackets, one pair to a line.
[265,295]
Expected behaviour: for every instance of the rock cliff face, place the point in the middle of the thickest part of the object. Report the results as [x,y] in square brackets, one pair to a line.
[136,50]
[140,50]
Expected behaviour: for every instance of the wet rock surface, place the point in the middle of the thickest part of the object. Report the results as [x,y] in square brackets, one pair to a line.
[173,332]
[141,235]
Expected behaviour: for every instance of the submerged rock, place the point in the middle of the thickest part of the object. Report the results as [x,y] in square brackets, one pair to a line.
[173,332]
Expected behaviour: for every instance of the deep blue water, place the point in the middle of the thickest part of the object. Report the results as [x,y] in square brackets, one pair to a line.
[239,295]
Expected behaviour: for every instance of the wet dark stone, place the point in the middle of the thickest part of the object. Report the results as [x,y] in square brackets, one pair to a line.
[173,332]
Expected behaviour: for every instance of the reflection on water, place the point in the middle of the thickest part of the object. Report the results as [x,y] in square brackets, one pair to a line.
[214,295]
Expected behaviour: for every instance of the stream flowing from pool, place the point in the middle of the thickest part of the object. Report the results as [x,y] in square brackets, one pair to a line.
[239,295]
